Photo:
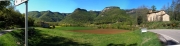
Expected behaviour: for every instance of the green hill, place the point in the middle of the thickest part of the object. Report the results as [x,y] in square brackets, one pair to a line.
[47,16]
[79,17]
[112,14]
[94,14]
[34,14]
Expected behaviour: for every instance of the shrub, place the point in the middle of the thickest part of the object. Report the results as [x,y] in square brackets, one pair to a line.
[53,23]
[31,31]
[14,26]
[2,24]
[37,24]
[162,25]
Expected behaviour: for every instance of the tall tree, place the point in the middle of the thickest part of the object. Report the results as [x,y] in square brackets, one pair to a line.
[164,7]
[172,10]
[175,9]
[168,8]
[153,8]
[139,20]
[141,14]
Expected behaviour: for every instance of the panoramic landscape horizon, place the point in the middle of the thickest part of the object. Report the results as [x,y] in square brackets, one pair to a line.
[90,23]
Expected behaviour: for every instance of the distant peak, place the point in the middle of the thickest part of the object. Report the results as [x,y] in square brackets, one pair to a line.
[48,10]
[33,11]
[81,9]
[56,12]
[112,7]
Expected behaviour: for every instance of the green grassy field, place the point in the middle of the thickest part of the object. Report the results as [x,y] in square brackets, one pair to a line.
[7,40]
[74,28]
[61,36]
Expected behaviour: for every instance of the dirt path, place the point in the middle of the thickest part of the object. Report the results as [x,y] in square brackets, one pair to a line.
[102,31]
[4,31]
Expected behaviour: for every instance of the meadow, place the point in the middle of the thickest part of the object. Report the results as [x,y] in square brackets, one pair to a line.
[64,36]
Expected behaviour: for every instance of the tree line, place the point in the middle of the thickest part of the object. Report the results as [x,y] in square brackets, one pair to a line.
[10,17]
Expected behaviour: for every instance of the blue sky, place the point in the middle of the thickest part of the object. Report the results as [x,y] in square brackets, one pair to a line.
[68,6]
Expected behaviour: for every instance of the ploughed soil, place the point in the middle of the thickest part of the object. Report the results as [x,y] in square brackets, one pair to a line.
[102,31]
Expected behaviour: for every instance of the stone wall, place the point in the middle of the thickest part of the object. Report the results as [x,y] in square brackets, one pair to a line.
[166,17]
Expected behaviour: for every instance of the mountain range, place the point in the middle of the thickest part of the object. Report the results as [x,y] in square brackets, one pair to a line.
[79,16]
[47,16]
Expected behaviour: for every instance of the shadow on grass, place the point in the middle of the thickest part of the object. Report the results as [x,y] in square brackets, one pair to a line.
[123,44]
[36,38]
[1,44]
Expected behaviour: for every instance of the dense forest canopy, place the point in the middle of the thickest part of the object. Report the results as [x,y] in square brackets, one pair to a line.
[10,17]
[80,16]
[111,15]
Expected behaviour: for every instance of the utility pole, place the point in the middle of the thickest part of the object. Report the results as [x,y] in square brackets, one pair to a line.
[26,24]
[18,2]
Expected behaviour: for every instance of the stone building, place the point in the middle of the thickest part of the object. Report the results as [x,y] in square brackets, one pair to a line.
[157,16]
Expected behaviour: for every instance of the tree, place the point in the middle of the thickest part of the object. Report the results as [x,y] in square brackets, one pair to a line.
[171,10]
[141,14]
[139,19]
[175,10]
[164,7]
[10,18]
[153,8]
[168,8]
[4,4]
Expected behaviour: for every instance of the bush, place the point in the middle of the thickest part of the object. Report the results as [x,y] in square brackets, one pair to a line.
[36,24]
[31,31]
[2,24]
[73,25]
[53,23]
[162,25]
[14,26]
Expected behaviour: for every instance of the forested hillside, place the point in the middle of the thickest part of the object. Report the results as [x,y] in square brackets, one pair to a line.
[112,15]
[80,16]
[47,16]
